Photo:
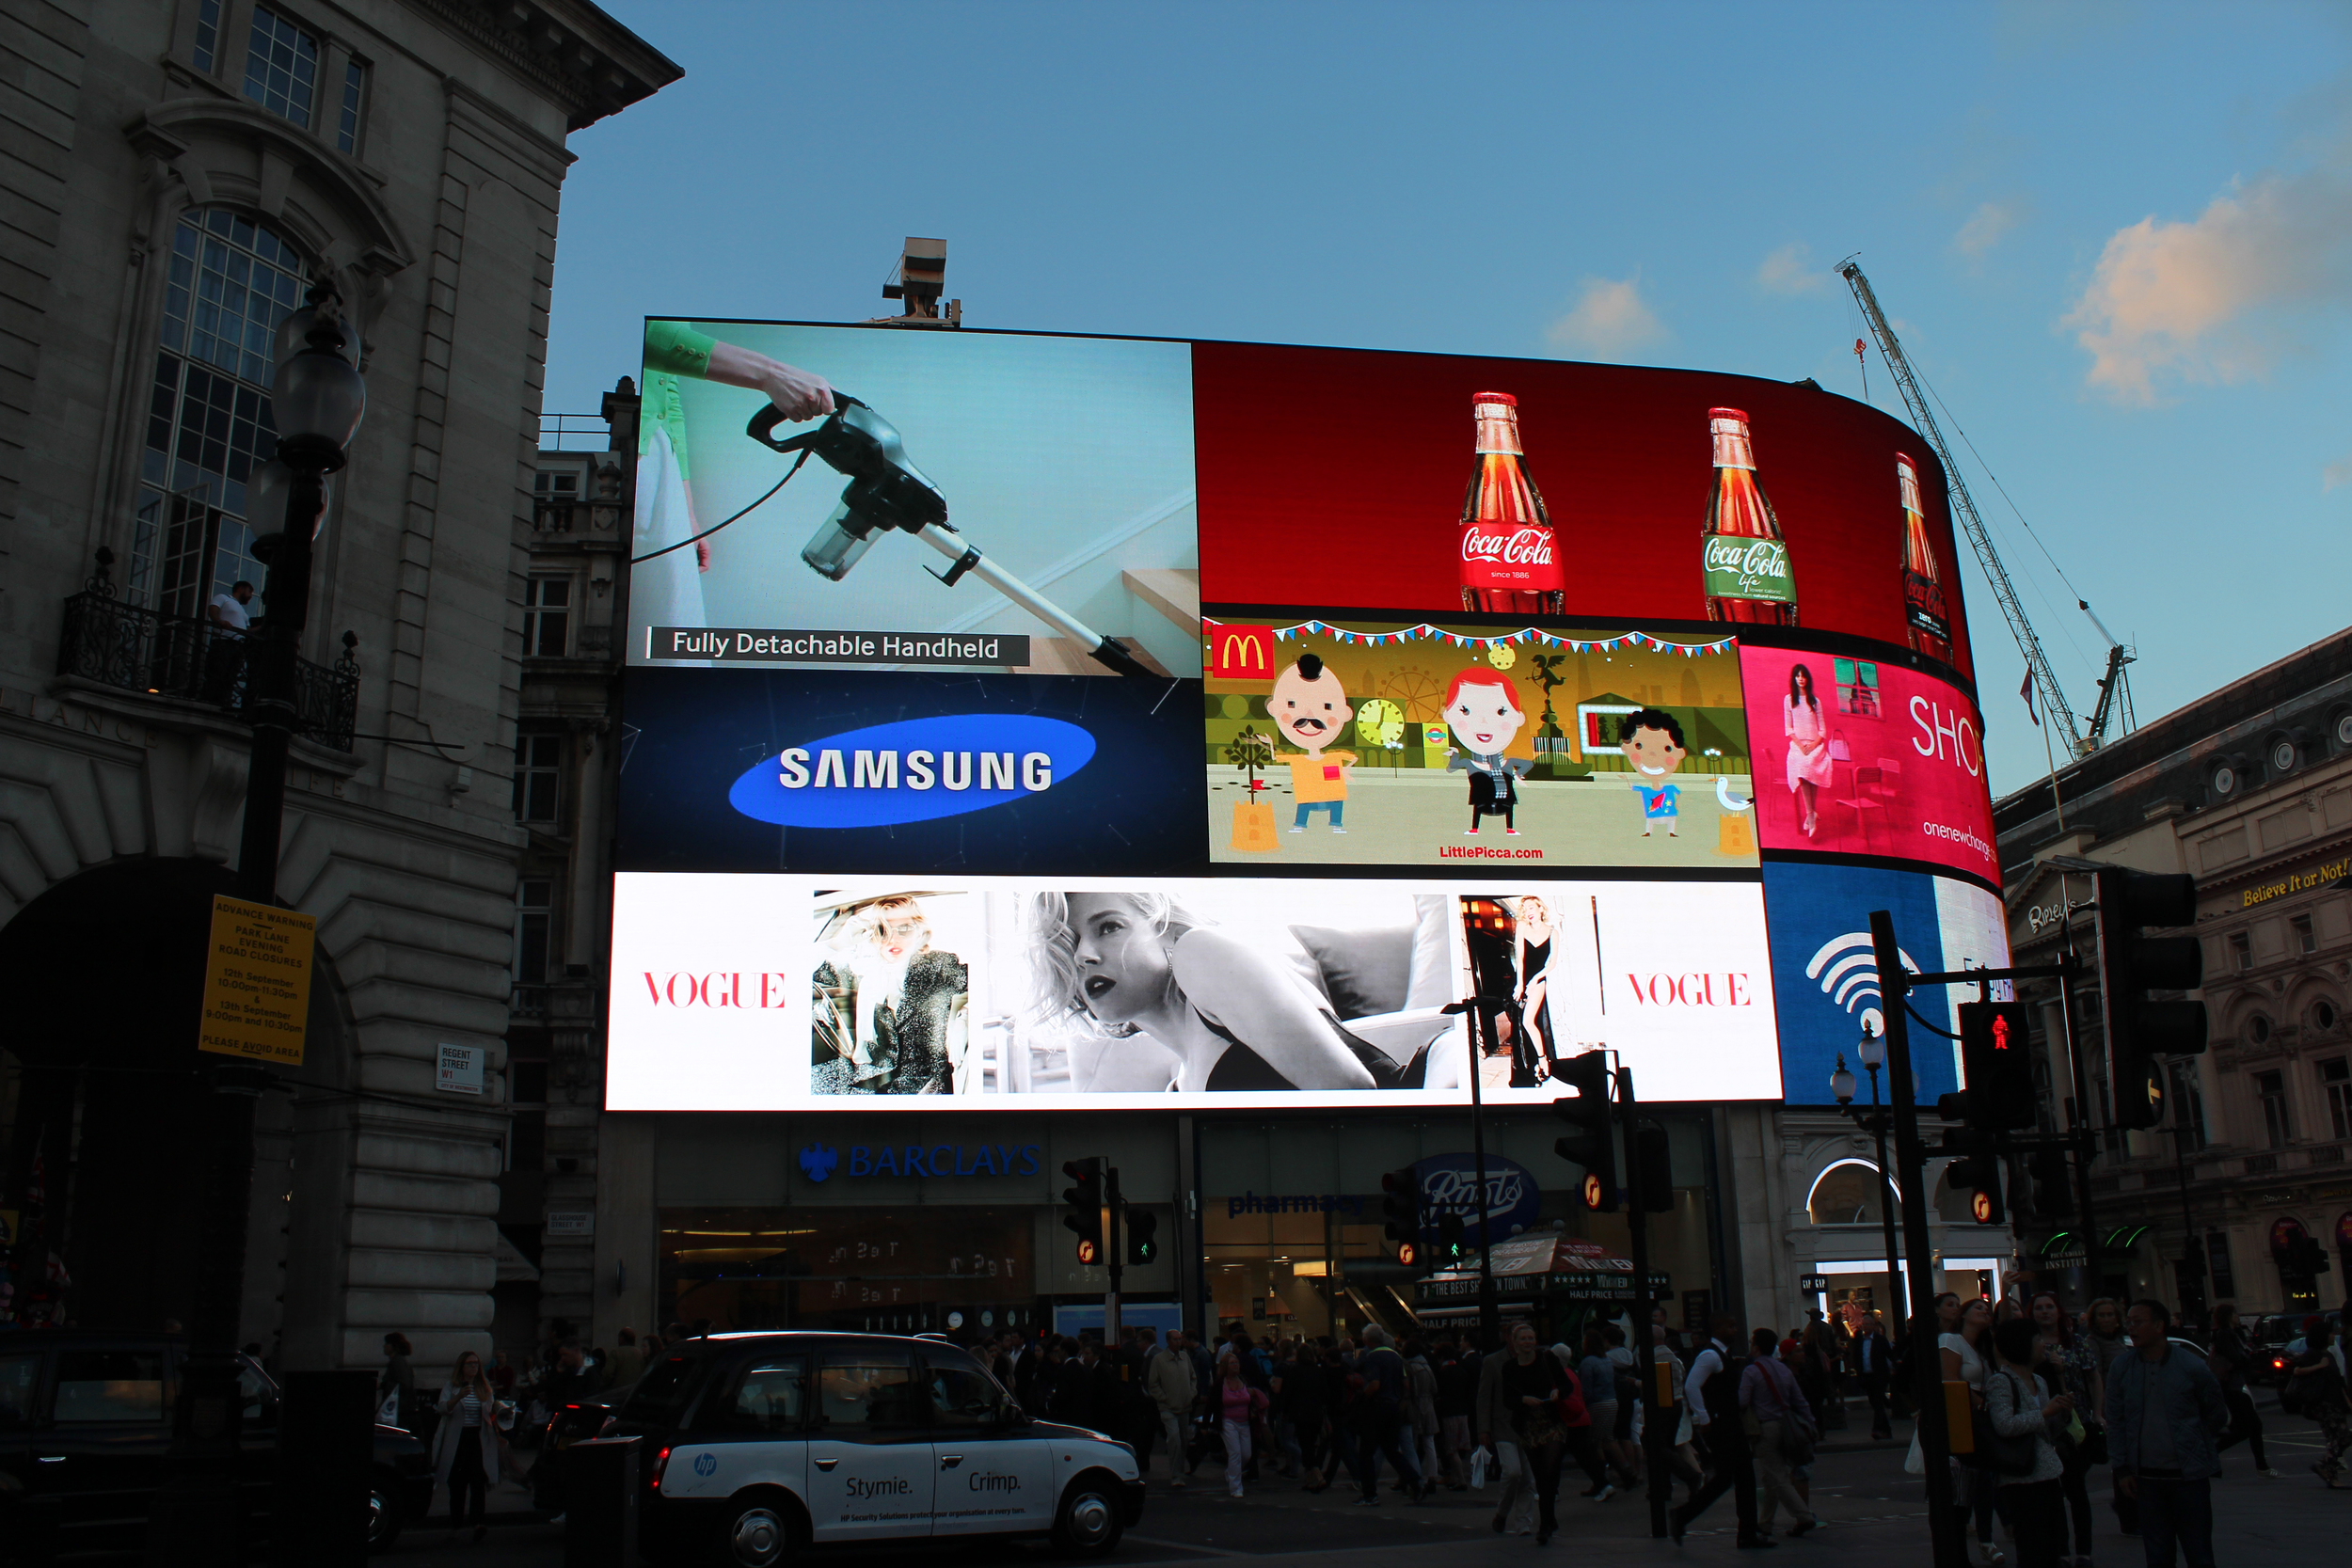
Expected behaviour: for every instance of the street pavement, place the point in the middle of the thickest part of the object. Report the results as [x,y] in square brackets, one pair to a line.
[1872,1513]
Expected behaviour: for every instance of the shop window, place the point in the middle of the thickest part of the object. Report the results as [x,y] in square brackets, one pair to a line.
[2335,1077]
[547,617]
[207,34]
[2241,950]
[98,1387]
[348,118]
[2188,1103]
[232,279]
[539,777]
[770,1397]
[862,1391]
[2270,1090]
[534,929]
[281,67]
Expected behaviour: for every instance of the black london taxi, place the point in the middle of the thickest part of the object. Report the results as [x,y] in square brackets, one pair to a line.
[85,1429]
[756,1444]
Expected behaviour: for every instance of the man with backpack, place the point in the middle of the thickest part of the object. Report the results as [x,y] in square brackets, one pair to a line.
[1710,1392]
[1379,1415]
[1785,1422]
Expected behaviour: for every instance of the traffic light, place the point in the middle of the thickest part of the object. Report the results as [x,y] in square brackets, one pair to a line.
[1998,1057]
[1143,1226]
[1653,1170]
[1084,1201]
[1452,1245]
[2053,1194]
[1591,1141]
[2306,1257]
[2130,966]
[1400,1212]
[1979,1171]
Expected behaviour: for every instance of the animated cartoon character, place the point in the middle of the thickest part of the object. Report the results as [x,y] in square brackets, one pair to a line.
[1310,709]
[1652,742]
[1484,712]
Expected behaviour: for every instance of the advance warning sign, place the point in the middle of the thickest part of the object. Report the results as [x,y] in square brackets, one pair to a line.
[257,981]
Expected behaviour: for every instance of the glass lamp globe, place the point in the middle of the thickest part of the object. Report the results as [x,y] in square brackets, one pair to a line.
[319,399]
[1873,1049]
[1841,1082]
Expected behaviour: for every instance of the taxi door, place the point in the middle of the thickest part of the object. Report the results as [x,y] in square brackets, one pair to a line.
[870,1453]
[993,1473]
[29,1498]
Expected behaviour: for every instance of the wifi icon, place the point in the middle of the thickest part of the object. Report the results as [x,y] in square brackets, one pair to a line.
[1847,969]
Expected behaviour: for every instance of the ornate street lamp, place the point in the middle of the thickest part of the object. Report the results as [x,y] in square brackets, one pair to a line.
[1876,1121]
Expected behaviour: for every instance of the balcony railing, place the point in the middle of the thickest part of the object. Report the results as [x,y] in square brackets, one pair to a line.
[132,649]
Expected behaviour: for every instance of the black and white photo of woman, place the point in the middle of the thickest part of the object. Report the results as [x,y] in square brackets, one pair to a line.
[1139,972]
[1534,926]
[887,1002]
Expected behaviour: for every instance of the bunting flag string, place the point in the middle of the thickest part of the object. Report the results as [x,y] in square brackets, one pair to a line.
[1426,632]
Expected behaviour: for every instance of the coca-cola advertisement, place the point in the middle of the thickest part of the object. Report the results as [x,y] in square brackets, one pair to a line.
[1859,754]
[1381,742]
[786,993]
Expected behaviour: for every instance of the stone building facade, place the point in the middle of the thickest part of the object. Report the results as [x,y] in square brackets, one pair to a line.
[2250,791]
[176,174]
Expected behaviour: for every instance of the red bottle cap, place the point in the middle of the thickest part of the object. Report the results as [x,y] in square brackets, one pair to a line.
[1739,414]
[1503,398]
[1902,459]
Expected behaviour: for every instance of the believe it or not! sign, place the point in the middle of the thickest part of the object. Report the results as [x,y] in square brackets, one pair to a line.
[769,645]
[2297,883]
[257,981]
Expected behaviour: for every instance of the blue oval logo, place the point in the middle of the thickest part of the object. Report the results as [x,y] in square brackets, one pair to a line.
[914,770]
[706,1464]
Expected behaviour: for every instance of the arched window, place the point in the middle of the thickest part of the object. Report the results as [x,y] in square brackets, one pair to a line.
[1845,1193]
[233,279]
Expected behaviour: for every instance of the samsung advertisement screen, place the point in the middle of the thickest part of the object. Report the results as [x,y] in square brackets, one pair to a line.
[1116,722]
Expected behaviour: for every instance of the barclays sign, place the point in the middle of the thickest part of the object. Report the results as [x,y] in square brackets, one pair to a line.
[913,770]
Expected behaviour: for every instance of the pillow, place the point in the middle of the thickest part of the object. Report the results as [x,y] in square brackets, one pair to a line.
[1364,972]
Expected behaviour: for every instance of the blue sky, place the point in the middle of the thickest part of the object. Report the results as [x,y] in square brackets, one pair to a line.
[2117,240]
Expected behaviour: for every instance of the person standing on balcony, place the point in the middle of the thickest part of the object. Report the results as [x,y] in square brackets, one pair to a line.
[228,611]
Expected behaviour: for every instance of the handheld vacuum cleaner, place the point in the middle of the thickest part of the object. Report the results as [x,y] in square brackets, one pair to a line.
[885,491]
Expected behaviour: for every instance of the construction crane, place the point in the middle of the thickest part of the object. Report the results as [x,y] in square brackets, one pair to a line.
[2036,662]
[2114,683]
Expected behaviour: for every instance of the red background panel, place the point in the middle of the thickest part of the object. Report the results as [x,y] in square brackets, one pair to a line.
[1335,477]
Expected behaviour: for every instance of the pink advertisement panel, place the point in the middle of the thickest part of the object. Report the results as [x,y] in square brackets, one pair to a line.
[1864,757]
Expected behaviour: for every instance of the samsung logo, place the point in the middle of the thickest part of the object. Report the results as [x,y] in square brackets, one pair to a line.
[913,770]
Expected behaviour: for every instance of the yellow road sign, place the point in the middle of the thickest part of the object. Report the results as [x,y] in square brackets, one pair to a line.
[257,981]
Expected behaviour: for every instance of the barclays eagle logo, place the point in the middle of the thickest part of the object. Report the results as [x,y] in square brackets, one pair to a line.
[817,1160]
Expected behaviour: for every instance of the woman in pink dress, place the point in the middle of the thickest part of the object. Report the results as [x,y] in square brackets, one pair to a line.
[1808,744]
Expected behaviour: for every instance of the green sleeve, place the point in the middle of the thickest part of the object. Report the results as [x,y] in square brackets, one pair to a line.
[677,348]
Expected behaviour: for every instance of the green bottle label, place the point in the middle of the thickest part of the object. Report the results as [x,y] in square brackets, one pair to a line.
[1741,567]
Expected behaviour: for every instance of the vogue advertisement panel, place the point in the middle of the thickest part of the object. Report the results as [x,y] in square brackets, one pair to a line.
[1866,756]
[786,993]
[1825,976]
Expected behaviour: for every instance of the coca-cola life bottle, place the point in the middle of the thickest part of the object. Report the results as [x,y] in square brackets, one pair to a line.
[1924,620]
[1510,558]
[1744,560]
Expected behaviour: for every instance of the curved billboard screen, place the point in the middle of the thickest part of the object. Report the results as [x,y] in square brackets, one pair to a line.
[1336,686]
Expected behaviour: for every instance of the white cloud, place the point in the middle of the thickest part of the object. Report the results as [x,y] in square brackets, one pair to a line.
[1986,226]
[1790,271]
[2209,299]
[1607,318]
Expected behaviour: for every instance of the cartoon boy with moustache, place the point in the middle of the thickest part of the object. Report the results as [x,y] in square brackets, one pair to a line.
[1652,742]
[1311,709]
[1484,712]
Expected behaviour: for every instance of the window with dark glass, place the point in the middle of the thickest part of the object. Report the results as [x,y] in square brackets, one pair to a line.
[282,66]
[2241,950]
[547,617]
[2271,1091]
[99,1386]
[2335,1077]
[2306,940]
[964,1396]
[232,279]
[2217,1255]
[539,777]
[862,1391]
[207,34]
[2189,1104]
[348,118]
[534,929]
[2258,1029]
[768,1397]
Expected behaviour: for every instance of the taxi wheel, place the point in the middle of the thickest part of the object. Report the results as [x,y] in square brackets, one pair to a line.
[753,1533]
[1088,1523]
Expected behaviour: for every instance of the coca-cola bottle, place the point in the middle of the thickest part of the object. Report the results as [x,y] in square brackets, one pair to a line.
[1924,620]
[1744,560]
[1510,558]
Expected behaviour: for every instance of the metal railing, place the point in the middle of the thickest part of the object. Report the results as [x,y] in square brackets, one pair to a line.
[134,649]
[574,432]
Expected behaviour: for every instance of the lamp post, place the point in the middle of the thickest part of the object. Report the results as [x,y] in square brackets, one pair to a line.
[1872,1051]
[318,398]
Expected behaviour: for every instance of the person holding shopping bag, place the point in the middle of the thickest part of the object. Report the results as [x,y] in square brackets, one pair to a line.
[465,1445]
